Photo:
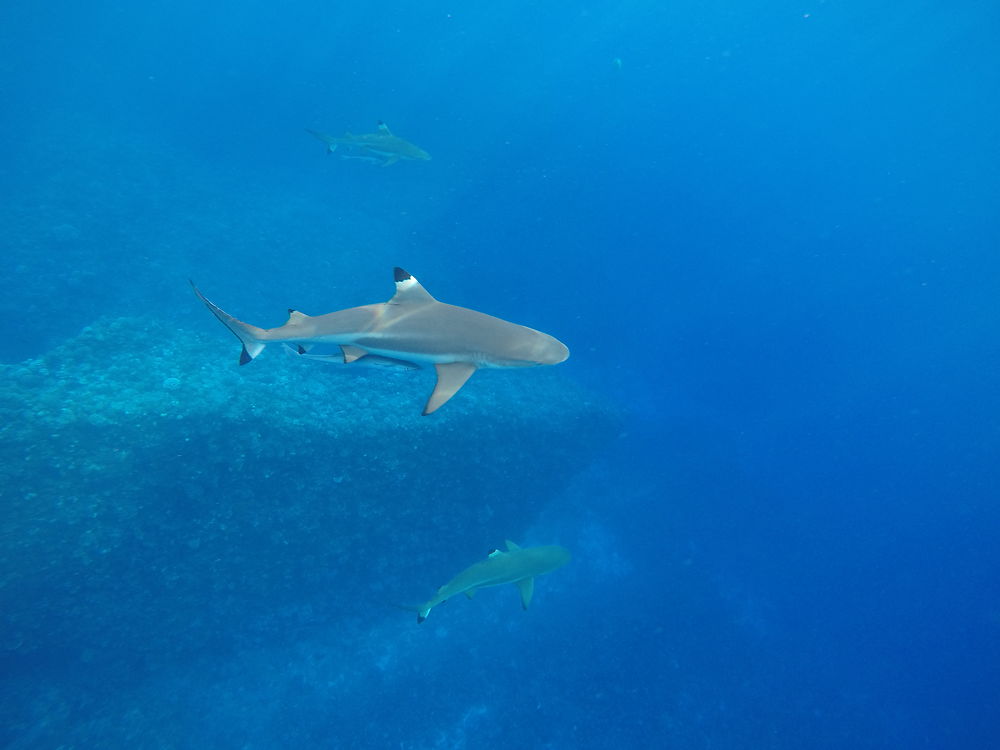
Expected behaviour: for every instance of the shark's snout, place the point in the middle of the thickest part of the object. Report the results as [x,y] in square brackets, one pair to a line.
[553,351]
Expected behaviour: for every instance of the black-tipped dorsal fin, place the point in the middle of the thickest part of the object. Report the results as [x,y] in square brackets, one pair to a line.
[408,290]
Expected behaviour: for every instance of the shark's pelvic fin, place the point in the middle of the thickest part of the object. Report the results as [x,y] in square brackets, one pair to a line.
[408,289]
[469,593]
[451,376]
[527,587]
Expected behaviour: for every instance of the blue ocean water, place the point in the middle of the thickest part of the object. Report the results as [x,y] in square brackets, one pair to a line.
[767,232]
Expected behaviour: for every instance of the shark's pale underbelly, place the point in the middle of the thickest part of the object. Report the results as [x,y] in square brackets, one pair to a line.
[426,359]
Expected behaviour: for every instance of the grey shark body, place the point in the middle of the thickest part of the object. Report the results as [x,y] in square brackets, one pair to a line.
[411,329]
[380,147]
[515,565]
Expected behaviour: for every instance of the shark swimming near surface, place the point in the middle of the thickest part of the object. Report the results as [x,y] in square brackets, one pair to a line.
[515,565]
[411,329]
[381,147]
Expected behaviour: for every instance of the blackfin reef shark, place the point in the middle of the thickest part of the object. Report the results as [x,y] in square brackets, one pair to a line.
[381,147]
[410,330]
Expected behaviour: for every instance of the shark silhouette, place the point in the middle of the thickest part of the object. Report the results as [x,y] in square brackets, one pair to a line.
[516,565]
[380,147]
[411,329]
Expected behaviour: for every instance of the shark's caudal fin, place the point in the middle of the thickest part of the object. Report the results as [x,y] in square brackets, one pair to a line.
[249,335]
[422,610]
[329,140]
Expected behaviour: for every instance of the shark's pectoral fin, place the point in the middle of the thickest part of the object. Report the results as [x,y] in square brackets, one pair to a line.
[527,587]
[352,353]
[450,378]
[390,160]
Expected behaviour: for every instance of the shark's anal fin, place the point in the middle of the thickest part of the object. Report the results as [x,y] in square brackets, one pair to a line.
[451,377]
[352,353]
[527,587]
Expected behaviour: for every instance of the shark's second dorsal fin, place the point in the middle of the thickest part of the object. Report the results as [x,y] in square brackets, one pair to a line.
[294,316]
[408,290]
[511,546]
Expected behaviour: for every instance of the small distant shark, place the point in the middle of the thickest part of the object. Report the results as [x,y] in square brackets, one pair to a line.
[411,329]
[380,147]
[516,565]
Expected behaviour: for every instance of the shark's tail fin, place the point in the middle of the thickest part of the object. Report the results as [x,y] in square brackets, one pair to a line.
[422,610]
[249,335]
[329,140]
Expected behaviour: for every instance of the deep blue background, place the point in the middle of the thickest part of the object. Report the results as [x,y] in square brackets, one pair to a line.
[771,233]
